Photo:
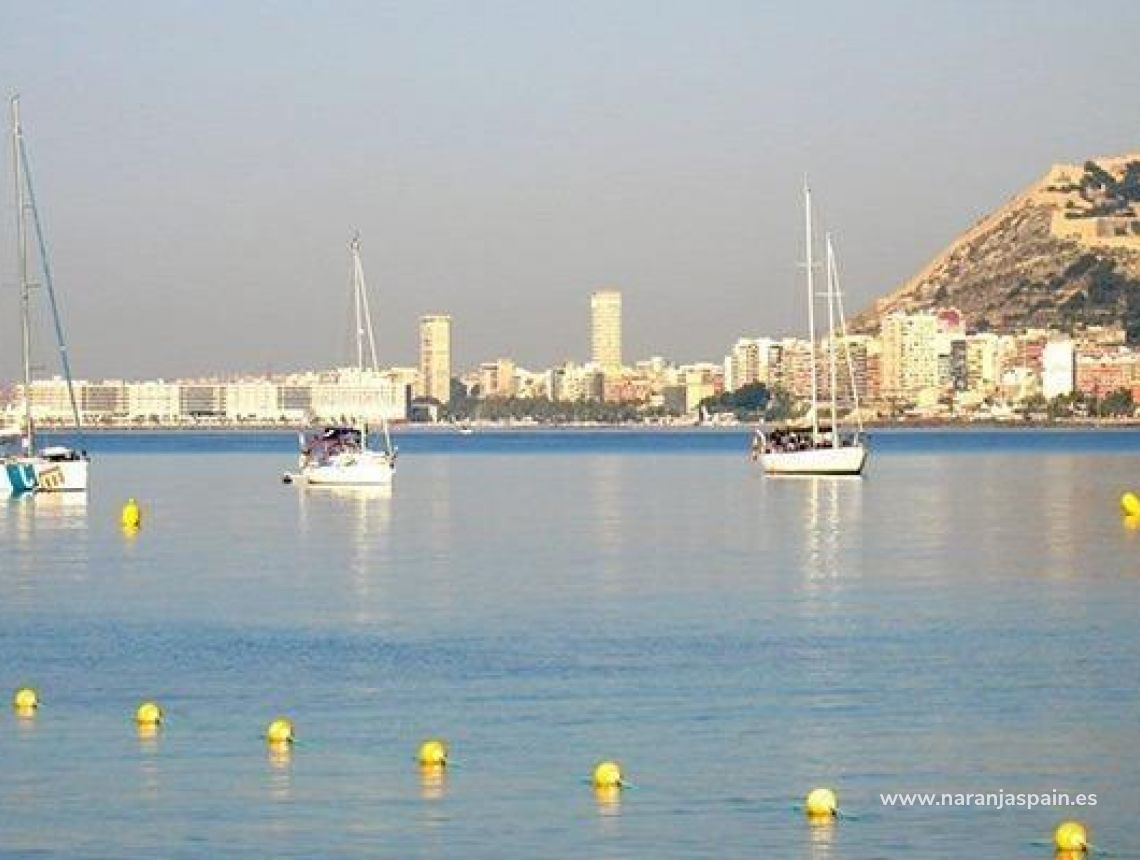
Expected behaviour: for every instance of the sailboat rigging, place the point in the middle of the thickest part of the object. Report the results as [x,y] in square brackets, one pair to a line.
[814,449]
[341,455]
[29,468]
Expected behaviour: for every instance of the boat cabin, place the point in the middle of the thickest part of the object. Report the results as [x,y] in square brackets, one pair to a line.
[800,439]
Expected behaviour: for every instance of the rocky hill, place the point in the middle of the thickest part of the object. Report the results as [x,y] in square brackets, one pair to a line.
[1065,253]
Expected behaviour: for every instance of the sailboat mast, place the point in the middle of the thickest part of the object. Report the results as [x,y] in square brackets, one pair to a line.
[846,346]
[22,256]
[362,289]
[811,312]
[364,326]
[831,363]
[354,245]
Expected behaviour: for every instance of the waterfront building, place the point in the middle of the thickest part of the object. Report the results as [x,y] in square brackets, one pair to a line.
[202,401]
[531,384]
[155,401]
[910,355]
[605,330]
[50,401]
[295,398]
[107,399]
[700,380]
[435,357]
[351,394]
[1059,369]
[627,388]
[252,400]
[1019,383]
[497,378]
[959,365]
[859,349]
[1104,372]
[983,363]
[575,382]
[747,363]
[789,366]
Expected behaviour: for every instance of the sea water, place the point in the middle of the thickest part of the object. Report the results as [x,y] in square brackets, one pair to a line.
[961,620]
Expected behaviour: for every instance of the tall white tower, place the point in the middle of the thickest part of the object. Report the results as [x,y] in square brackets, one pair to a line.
[435,357]
[605,329]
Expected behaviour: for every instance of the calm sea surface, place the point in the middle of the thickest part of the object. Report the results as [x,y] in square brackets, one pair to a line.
[966,618]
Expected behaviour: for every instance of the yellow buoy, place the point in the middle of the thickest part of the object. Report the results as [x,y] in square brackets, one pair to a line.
[1071,836]
[608,775]
[433,753]
[25,699]
[821,802]
[131,516]
[148,714]
[1130,504]
[280,731]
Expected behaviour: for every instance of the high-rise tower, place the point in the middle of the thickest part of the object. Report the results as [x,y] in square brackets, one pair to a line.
[435,357]
[605,329]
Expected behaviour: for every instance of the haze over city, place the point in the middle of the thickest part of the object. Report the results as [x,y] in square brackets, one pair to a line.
[200,174]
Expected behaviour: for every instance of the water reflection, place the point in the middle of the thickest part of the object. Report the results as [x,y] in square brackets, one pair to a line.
[25,719]
[821,837]
[27,514]
[355,518]
[606,486]
[280,757]
[821,536]
[1056,505]
[439,512]
[832,512]
[148,761]
[29,522]
[433,781]
[608,798]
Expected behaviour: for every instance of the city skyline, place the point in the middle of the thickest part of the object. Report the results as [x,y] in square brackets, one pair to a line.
[926,365]
[501,160]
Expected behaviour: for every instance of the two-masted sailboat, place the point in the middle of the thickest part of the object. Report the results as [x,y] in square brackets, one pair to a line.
[813,447]
[341,456]
[26,467]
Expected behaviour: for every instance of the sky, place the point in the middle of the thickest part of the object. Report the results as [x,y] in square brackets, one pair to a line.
[200,167]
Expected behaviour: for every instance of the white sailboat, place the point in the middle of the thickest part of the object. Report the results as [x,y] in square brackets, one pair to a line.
[27,467]
[815,448]
[341,456]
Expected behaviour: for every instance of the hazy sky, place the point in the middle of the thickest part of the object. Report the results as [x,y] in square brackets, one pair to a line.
[200,166]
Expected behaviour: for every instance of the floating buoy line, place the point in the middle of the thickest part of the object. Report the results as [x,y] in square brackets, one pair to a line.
[1070,838]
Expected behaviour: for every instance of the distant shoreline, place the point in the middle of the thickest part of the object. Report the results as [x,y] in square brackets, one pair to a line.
[448,429]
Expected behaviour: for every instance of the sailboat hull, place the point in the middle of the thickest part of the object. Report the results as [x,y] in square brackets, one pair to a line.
[848,460]
[366,469]
[42,475]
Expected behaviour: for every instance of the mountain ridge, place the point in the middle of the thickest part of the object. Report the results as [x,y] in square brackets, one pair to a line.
[1063,253]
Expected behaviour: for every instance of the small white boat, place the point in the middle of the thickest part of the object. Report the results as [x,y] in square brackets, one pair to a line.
[789,452]
[815,449]
[23,467]
[340,456]
[55,469]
